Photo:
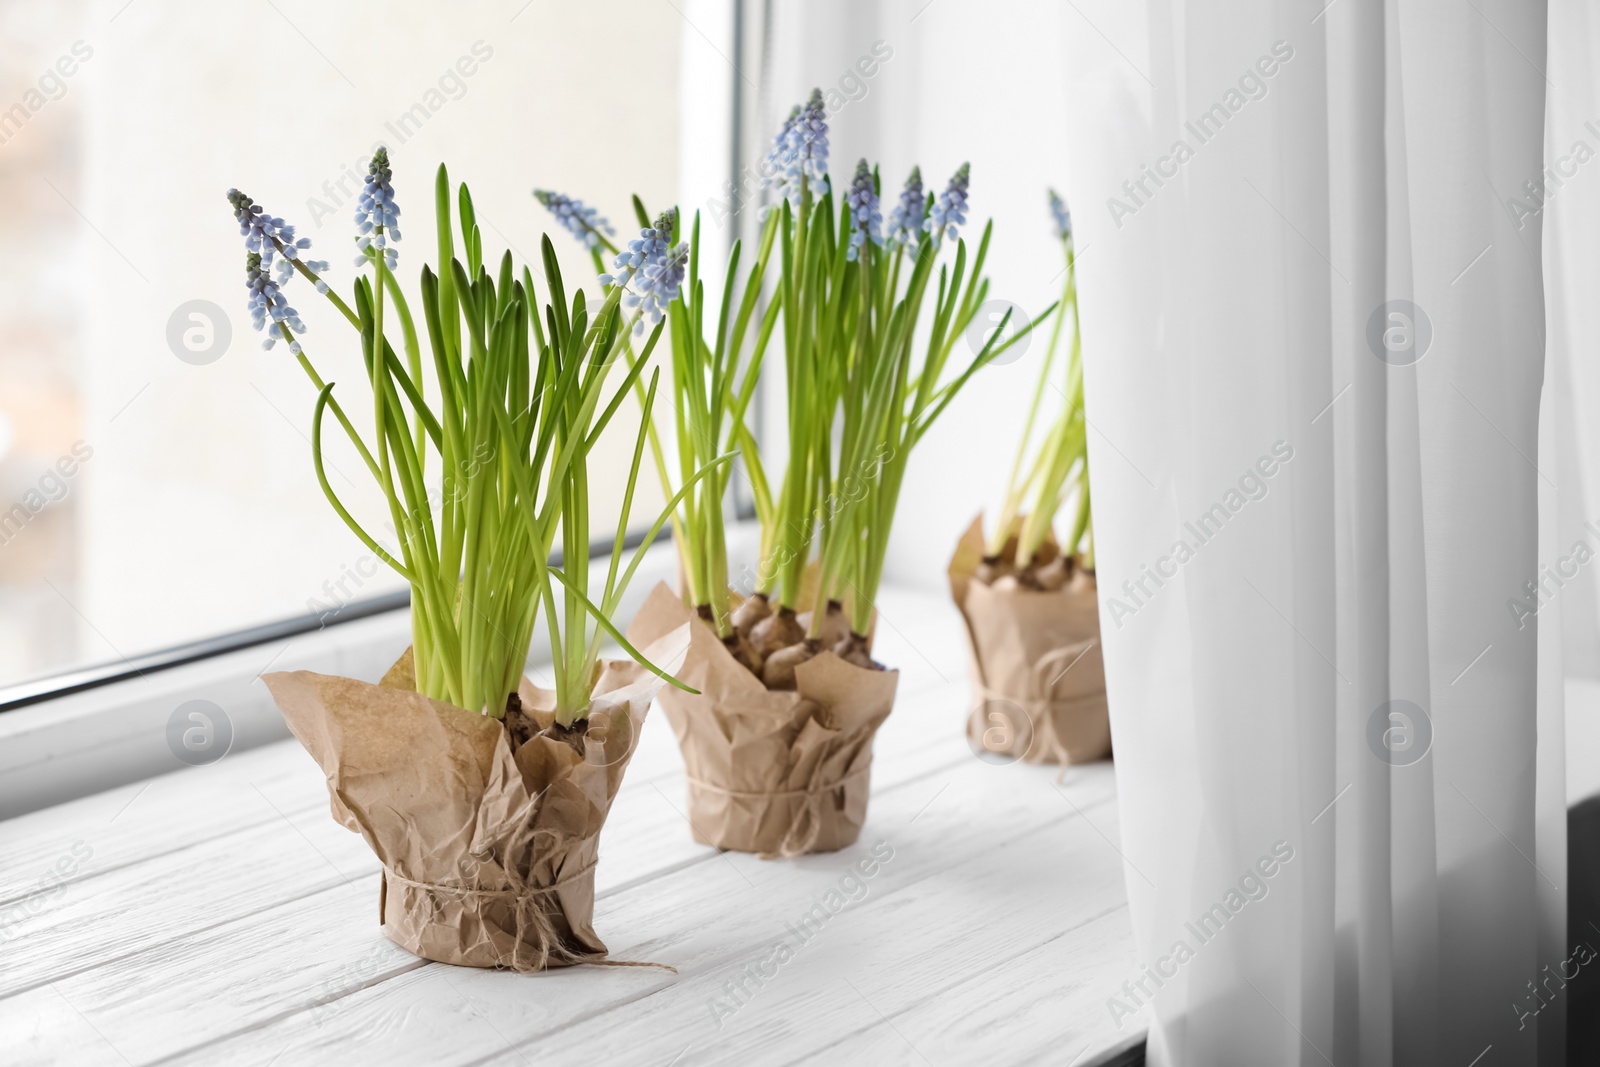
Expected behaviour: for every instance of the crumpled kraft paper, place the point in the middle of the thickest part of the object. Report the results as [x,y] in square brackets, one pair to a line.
[778,773]
[1037,651]
[488,853]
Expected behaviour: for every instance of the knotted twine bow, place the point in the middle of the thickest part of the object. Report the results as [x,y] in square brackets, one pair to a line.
[532,911]
[1040,701]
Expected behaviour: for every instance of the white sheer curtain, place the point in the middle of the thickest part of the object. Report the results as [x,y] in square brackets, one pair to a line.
[1342,677]
[1332,666]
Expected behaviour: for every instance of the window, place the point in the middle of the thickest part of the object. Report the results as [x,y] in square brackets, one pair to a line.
[155,474]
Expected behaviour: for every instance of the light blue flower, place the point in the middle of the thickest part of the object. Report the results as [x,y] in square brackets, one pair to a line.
[950,210]
[657,283]
[650,270]
[866,222]
[268,302]
[1063,217]
[268,236]
[377,215]
[775,168]
[905,221]
[271,250]
[799,153]
[580,220]
[651,242]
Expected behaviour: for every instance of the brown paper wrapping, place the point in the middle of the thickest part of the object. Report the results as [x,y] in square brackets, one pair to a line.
[488,854]
[1036,651]
[778,773]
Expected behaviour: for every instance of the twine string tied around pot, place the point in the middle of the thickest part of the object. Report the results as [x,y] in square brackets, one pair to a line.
[533,917]
[805,825]
[1040,700]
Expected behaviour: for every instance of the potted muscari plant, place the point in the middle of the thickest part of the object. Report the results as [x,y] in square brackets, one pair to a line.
[778,742]
[482,795]
[1029,601]
[713,385]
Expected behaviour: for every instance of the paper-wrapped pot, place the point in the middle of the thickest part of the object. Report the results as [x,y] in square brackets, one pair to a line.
[488,854]
[774,772]
[1038,680]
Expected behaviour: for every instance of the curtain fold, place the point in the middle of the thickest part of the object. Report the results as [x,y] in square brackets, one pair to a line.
[1314,342]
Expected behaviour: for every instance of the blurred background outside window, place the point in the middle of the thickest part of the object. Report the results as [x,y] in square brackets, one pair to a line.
[155,474]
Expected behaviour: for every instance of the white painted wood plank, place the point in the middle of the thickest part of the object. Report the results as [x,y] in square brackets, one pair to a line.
[307,860]
[323,944]
[283,851]
[260,967]
[96,921]
[907,942]
[290,962]
[1045,1006]
[47,852]
[137,823]
[40,1028]
[704,920]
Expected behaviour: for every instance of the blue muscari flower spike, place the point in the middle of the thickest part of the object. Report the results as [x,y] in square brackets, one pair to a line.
[809,135]
[905,221]
[377,215]
[800,152]
[774,169]
[580,220]
[271,250]
[866,222]
[266,235]
[267,301]
[653,267]
[658,284]
[1063,217]
[950,210]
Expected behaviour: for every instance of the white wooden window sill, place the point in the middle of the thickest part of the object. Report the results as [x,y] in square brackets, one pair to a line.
[219,915]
